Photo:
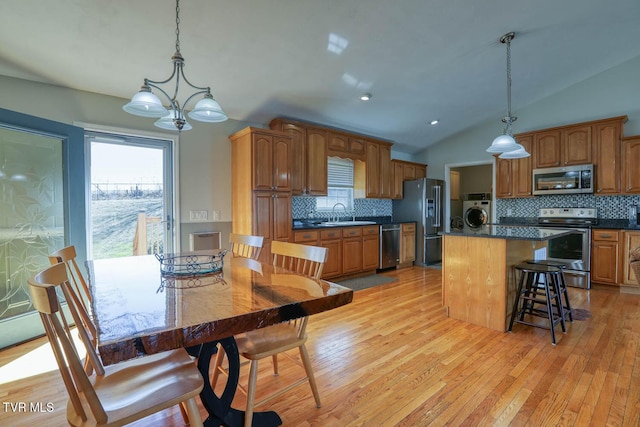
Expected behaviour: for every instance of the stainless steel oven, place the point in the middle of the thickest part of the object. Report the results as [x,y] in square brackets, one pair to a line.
[572,249]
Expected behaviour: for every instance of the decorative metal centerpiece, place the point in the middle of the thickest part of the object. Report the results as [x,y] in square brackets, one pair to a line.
[190,270]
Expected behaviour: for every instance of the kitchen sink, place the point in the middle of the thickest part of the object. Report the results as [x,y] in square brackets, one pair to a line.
[343,223]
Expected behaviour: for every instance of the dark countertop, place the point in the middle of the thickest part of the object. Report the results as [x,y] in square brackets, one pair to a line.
[614,224]
[316,224]
[517,232]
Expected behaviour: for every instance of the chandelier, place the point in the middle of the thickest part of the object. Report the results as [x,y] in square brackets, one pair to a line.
[146,104]
[506,143]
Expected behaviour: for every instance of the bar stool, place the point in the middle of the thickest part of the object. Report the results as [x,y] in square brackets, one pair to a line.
[563,284]
[538,285]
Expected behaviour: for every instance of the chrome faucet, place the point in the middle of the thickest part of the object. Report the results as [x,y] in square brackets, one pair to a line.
[335,216]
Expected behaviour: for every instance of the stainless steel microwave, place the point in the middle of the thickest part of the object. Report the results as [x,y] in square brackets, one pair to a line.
[563,180]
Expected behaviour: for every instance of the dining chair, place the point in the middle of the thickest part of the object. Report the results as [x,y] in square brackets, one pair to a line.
[245,245]
[68,256]
[117,394]
[272,340]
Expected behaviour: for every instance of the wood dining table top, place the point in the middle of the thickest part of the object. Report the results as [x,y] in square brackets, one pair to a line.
[139,310]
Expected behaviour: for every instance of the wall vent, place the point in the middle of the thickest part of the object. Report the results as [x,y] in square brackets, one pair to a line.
[204,241]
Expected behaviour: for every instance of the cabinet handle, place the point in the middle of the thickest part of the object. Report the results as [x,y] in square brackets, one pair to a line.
[307,236]
[332,234]
[605,236]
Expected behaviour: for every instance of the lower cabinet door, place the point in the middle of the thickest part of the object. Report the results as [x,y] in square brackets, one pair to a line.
[370,252]
[333,266]
[352,250]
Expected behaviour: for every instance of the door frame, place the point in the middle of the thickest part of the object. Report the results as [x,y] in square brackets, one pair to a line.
[175,174]
[29,325]
[447,185]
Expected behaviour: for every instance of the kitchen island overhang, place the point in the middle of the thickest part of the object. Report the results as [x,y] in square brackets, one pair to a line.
[478,283]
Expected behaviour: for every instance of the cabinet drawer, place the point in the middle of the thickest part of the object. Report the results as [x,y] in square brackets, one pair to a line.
[409,228]
[332,234]
[369,230]
[352,232]
[609,235]
[305,236]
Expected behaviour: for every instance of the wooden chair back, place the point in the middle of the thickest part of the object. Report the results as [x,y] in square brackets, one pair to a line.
[246,246]
[68,255]
[303,259]
[44,288]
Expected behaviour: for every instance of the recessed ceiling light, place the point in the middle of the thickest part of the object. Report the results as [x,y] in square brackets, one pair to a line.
[365,96]
[434,122]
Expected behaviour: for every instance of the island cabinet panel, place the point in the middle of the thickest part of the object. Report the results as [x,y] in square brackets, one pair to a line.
[478,278]
[630,241]
[631,165]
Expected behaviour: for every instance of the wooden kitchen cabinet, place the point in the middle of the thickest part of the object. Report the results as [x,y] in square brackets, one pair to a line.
[401,171]
[332,240]
[631,165]
[630,241]
[576,145]
[407,244]
[548,149]
[604,257]
[372,177]
[352,250]
[309,156]
[370,247]
[606,154]
[261,198]
[513,177]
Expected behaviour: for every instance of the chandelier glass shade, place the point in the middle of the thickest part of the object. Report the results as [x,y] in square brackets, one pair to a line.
[506,143]
[147,104]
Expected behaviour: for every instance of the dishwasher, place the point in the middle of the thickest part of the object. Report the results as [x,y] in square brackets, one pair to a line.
[389,245]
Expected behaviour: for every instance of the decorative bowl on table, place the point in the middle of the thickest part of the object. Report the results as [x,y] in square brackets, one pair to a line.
[190,263]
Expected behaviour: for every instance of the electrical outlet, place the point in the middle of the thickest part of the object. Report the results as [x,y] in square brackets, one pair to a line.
[216,215]
[198,215]
[509,212]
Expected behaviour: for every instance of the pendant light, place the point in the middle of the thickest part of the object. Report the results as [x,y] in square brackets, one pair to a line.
[146,104]
[506,143]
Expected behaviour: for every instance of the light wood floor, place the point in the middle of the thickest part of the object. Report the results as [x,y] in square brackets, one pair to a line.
[393,358]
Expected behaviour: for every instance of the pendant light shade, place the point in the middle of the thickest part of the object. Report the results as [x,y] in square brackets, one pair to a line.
[169,122]
[146,104]
[518,153]
[208,110]
[502,144]
[506,143]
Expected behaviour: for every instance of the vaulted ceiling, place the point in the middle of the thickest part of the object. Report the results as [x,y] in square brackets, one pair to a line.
[312,59]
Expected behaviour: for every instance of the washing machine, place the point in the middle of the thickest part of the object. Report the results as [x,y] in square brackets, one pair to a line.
[476,212]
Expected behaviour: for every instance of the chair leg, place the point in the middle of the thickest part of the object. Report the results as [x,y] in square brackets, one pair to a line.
[275,365]
[217,366]
[251,393]
[304,355]
[193,413]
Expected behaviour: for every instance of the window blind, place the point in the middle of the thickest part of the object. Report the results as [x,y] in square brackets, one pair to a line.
[339,172]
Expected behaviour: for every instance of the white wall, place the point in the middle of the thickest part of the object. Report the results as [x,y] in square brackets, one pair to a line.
[615,92]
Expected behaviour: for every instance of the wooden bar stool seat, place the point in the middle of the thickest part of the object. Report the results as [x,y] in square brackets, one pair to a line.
[538,295]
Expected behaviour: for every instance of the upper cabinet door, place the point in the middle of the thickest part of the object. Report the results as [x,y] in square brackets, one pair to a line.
[631,165]
[298,156]
[547,149]
[576,145]
[606,153]
[281,163]
[316,162]
[263,162]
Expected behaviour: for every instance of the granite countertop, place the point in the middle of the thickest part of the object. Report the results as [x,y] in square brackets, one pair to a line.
[614,224]
[318,223]
[509,232]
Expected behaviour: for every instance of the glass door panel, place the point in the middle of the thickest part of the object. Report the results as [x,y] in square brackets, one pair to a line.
[31,220]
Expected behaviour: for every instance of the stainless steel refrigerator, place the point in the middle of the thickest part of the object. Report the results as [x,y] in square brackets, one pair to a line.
[422,203]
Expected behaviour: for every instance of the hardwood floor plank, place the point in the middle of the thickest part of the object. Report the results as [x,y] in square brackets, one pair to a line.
[392,358]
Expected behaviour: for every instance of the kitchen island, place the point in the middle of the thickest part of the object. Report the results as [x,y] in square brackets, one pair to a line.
[478,284]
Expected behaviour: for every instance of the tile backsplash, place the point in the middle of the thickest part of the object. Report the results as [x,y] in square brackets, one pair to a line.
[609,207]
[302,206]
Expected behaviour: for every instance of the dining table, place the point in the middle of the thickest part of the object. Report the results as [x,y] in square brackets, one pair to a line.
[199,300]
